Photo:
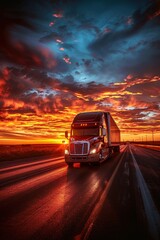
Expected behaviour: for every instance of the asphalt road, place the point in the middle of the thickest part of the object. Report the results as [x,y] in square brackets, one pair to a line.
[44,199]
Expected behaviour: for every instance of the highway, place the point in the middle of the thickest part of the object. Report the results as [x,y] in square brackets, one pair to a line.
[44,199]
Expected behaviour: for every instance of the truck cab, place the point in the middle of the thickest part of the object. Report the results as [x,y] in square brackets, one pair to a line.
[89,139]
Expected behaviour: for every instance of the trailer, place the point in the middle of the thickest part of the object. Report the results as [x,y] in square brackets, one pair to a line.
[94,136]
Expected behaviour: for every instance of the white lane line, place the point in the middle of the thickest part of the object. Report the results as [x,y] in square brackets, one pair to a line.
[95,212]
[153,217]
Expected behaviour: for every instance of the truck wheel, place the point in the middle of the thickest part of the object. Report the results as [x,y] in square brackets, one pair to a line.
[101,156]
[110,152]
[70,164]
[116,149]
[96,164]
[83,164]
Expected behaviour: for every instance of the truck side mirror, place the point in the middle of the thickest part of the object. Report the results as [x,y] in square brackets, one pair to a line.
[104,132]
[66,134]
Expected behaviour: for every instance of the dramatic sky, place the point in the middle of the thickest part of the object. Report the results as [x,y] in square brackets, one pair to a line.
[62,57]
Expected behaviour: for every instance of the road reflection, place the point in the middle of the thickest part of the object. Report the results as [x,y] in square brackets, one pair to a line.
[84,185]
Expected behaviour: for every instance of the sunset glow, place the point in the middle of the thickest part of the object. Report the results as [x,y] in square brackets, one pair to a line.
[65,60]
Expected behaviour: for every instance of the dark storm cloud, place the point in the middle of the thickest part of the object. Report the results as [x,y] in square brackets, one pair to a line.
[88,89]
[155,44]
[53,36]
[60,34]
[20,80]
[87,62]
[135,48]
[23,110]
[11,16]
[24,55]
[87,24]
[140,18]
[31,86]
[147,88]
[28,87]
[16,17]
[144,62]
[31,91]
[20,51]
[68,46]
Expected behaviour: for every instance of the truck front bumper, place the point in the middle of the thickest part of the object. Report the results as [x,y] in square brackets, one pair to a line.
[82,158]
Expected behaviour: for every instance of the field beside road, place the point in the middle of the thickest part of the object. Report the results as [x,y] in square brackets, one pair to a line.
[14,152]
[152,145]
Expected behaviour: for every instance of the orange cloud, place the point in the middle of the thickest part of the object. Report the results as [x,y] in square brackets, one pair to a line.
[42,115]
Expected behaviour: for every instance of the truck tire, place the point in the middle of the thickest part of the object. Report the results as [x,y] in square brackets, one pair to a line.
[97,164]
[100,155]
[70,164]
[83,164]
[111,150]
[116,149]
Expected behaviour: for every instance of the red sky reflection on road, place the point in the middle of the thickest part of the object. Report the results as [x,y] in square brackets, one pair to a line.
[61,60]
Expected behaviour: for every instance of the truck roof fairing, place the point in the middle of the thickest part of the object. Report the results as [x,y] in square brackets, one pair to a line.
[88,117]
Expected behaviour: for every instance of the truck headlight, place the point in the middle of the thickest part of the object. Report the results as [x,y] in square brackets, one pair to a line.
[66,152]
[94,150]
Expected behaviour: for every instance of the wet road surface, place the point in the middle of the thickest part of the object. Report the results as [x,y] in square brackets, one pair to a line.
[45,199]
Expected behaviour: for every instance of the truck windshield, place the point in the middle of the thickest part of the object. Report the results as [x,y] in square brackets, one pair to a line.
[85,132]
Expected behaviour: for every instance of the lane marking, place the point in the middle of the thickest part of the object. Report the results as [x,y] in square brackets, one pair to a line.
[96,210]
[153,217]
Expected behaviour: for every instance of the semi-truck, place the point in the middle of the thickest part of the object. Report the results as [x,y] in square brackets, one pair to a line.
[94,136]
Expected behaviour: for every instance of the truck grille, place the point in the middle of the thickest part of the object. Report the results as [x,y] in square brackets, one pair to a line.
[79,148]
